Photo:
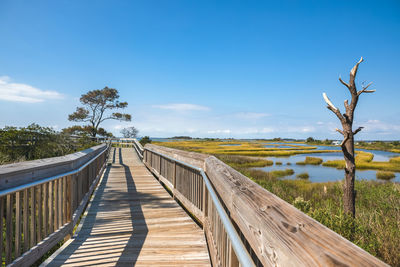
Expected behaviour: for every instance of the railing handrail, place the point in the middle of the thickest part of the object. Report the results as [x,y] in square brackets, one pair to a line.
[51,178]
[238,246]
[139,148]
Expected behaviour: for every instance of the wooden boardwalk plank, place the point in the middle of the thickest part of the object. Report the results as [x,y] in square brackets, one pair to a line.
[132,220]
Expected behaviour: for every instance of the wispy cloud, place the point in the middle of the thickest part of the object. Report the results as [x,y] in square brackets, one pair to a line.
[381,127]
[182,107]
[227,131]
[251,115]
[19,92]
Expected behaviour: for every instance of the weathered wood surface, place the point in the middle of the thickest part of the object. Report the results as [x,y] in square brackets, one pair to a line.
[278,233]
[12,175]
[47,213]
[192,158]
[132,220]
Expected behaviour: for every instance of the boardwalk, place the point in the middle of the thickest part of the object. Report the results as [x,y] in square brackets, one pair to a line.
[132,220]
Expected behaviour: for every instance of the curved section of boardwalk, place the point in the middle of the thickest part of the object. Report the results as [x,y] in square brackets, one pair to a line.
[132,220]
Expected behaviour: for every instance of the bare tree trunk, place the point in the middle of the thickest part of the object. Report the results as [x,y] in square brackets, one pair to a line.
[346,119]
[349,194]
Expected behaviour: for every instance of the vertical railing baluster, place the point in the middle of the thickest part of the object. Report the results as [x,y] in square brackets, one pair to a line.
[51,206]
[1,229]
[39,217]
[17,224]
[64,200]
[55,205]
[60,200]
[32,229]
[45,210]
[9,228]
[26,220]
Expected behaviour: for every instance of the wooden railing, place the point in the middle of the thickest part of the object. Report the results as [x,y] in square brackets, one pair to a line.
[190,185]
[37,214]
[273,232]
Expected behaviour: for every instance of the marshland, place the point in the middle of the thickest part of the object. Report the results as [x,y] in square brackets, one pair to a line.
[309,176]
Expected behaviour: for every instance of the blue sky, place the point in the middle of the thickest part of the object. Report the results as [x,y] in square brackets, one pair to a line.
[242,69]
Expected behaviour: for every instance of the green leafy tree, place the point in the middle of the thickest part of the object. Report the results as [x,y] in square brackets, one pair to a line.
[85,131]
[130,132]
[310,140]
[97,105]
[145,140]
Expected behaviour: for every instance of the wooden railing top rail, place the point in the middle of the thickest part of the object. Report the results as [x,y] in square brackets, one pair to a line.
[16,174]
[278,233]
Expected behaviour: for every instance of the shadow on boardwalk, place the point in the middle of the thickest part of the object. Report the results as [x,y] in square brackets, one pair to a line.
[132,220]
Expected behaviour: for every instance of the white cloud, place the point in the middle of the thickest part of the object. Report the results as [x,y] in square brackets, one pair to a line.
[182,107]
[19,92]
[219,131]
[251,115]
[377,126]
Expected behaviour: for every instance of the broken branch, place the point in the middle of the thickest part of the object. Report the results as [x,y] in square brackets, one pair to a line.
[345,84]
[346,137]
[326,98]
[364,90]
[340,131]
[358,129]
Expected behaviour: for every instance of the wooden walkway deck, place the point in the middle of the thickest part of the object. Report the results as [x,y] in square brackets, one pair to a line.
[132,220]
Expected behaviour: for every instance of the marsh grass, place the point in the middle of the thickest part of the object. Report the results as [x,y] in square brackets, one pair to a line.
[364,161]
[278,163]
[303,175]
[246,148]
[282,173]
[244,162]
[385,175]
[310,161]
[374,229]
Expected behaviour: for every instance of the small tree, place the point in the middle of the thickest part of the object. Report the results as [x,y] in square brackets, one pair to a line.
[130,132]
[347,144]
[145,140]
[96,103]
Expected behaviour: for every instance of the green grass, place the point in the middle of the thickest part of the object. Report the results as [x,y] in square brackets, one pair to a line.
[374,230]
[310,161]
[303,175]
[281,173]
[385,175]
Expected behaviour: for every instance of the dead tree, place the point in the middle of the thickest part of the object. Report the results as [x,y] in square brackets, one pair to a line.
[347,144]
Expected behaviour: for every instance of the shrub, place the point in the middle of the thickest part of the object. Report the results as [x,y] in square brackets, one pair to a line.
[145,140]
[278,163]
[303,175]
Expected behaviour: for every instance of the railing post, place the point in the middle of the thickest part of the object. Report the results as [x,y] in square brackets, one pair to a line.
[159,168]
[174,180]
[174,175]
[205,200]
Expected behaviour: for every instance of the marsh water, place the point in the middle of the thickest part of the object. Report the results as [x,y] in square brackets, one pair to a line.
[319,173]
